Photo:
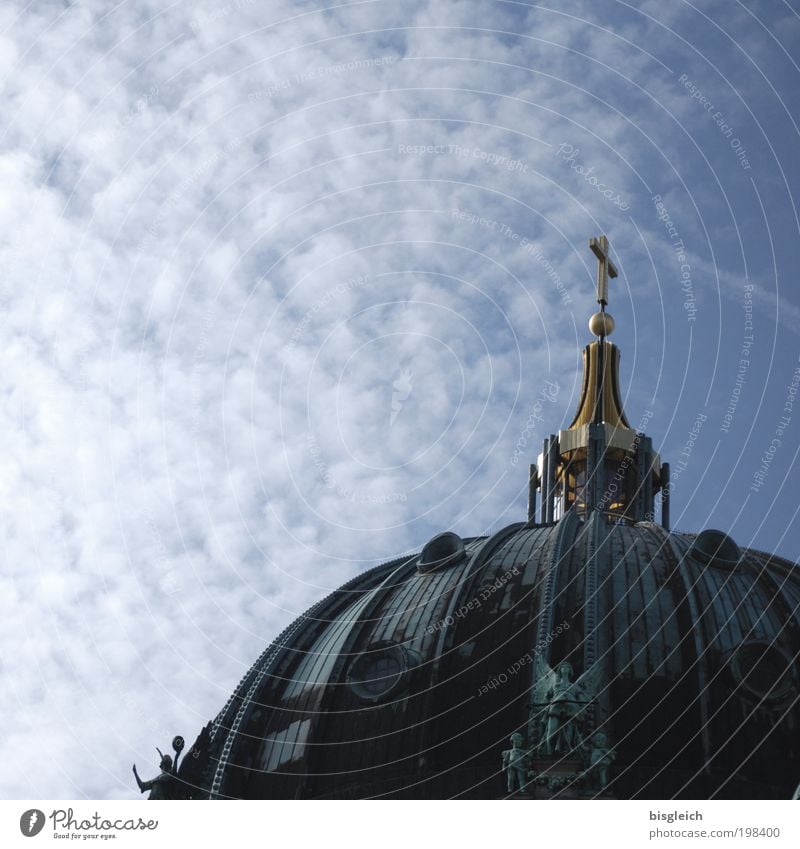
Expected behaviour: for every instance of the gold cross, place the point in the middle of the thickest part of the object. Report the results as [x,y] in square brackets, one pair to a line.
[605,268]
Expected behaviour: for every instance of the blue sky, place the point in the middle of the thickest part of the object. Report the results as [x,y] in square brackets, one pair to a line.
[281,287]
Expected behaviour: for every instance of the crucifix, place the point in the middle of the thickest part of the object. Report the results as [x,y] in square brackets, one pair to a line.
[605,268]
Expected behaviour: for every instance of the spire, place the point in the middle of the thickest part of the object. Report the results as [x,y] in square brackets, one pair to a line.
[599,463]
[600,396]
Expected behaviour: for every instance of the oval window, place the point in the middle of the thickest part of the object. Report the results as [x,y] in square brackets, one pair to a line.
[380,672]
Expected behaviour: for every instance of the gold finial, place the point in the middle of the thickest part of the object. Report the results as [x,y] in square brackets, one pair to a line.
[601,324]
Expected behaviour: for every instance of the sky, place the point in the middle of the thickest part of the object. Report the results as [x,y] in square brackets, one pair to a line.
[283,285]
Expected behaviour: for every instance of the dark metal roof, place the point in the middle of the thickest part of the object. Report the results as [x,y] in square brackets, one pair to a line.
[691,653]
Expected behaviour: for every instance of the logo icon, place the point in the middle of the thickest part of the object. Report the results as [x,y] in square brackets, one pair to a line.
[401,389]
[31,822]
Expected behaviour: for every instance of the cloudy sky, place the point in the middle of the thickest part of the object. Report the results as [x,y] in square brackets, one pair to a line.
[282,283]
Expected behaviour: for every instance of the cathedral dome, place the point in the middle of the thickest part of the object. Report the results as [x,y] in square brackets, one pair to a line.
[408,683]
[626,659]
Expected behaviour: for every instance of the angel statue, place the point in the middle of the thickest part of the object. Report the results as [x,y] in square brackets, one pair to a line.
[516,762]
[174,782]
[561,703]
[165,784]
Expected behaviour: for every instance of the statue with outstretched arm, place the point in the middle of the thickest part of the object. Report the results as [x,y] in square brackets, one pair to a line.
[166,784]
[184,782]
[163,785]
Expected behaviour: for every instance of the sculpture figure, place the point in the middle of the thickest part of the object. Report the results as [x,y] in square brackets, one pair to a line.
[163,785]
[184,782]
[601,756]
[561,704]
[166,784]
[516,763]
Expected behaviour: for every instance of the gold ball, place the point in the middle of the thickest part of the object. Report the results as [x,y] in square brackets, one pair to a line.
[601,324]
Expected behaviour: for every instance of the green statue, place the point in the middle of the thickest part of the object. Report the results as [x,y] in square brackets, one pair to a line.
[601,756]
[516,763]
[560,705]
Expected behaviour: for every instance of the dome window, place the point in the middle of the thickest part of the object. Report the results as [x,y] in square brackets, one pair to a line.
[443,550]
[716,549]
[763,671]
[381,672]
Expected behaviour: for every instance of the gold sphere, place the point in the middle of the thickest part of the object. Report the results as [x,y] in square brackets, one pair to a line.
[601,324]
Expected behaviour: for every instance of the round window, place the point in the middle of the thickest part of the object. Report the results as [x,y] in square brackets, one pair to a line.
[379,673]
[763,670]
